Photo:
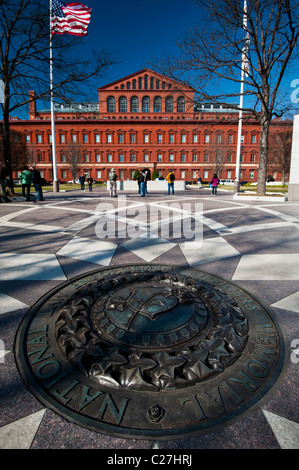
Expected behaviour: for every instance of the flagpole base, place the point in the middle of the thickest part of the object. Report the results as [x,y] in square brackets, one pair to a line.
[55,186]
[236,186]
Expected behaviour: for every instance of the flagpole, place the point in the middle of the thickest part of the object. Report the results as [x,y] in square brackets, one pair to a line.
[54,161]
[239,148]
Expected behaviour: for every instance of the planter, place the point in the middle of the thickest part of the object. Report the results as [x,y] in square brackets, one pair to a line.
[254,197]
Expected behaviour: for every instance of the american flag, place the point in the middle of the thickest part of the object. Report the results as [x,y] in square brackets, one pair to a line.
[70,18]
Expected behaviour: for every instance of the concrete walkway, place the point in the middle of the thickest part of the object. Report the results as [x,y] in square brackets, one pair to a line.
[45,243]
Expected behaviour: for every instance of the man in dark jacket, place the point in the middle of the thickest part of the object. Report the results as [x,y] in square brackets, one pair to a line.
[37,181]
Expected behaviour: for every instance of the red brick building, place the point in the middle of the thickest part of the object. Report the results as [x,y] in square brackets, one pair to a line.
[143,120]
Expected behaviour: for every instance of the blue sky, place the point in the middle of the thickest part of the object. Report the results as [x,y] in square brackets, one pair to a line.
[138,30]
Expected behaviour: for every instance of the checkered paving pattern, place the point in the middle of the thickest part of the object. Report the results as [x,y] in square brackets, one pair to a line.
[255,244]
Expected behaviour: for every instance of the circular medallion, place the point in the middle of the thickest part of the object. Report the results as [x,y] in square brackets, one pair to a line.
[150,351]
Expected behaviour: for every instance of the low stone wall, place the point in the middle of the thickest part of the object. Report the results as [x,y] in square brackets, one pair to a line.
[152,186]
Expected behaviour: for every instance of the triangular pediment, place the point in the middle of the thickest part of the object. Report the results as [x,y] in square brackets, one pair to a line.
[145,79]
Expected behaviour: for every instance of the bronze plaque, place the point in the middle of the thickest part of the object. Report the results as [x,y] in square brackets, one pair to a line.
[150,351]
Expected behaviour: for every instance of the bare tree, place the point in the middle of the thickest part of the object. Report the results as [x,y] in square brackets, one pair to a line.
[24,59]
[280,149]
[213,55]
[74,158]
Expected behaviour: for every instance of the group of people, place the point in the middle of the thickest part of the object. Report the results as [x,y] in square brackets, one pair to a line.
[28,177]
[89,181]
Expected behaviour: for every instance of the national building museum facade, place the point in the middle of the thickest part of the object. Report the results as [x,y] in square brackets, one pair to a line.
[144,120]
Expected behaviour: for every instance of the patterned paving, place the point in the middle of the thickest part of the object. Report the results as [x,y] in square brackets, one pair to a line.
[42,244]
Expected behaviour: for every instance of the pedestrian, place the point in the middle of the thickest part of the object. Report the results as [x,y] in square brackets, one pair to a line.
[37,181]
[26,182]
[170,178]
[214,183]
[90,181]
[82,181]
[3,183]
[199,181]
[112,181]
[147,172]
[142,183]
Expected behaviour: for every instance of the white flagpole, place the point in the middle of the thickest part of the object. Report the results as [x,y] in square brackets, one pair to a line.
[54,161]
[244,60]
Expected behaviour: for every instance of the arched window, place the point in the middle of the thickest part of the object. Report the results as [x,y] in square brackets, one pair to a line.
[158,104]
[140,83]
[134,84]
[145,82]
[134,104]
[169,104]
[146,104]
[122,103]
[111,104]
[181,104]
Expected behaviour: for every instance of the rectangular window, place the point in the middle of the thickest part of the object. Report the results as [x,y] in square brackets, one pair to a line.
[171,138]
[230,139]
[194,174]
[171,157]
[242,139]
[120,157]
[40,158]
[39,139]
[146,157]
[132,157]
[251,175]
[98,158]
[146,138]
[109,158]
[62,138]
[132,138]
[183,157]
[206,174]
[120,138]
[194,157]
[28,139]
[63,158]
[160,138]
[252,158]
[74,138]
[86,157]
[50,138]
[109,138]
[97,138]
[99,174]
[183,173]
[159,157]
[63,173]
[229,157]
[229,175]
[218,138]
[85,138]
[206,157]
[207,138]
[195,138]
[183,138]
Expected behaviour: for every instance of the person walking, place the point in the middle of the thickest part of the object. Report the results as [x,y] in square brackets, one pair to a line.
[26,182]
[214,183]
[82,182]
[3,183]
[89,182]
[170,178]
[112,181]
[142,183]
[37,181]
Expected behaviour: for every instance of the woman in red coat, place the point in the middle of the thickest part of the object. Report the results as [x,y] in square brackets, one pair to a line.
[214,183]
